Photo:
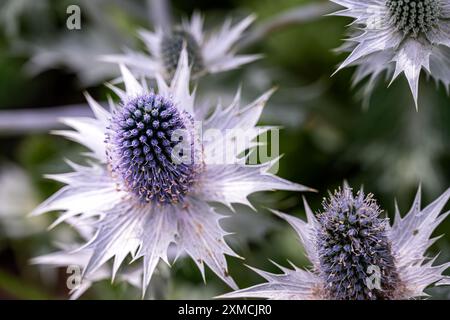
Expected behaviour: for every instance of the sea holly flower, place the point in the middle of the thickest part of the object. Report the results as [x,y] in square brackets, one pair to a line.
[149,193]
[211,52]
[356,253]
[398,36]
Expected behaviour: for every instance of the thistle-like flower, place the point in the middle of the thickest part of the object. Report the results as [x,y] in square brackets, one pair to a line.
[148,192]
[207,53]
[356,254]
[398,36]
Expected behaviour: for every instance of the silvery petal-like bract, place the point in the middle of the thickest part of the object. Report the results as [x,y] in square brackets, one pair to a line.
[208,52]
[349,246]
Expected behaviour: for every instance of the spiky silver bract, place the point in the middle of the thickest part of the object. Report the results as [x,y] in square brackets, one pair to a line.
[76,260]
[351,238]
[132,219]
[208,52]
[398,251]
[393,37]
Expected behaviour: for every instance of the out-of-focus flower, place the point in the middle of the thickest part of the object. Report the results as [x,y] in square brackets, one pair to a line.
[356,254]
[77,52]
[207,53]
[398,36]
[148,192]
[12,10]
[48,45]
[17,198]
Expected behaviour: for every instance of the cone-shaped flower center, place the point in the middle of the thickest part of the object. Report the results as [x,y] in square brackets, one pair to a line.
[146,149]
[171,47]
[355,255]
[414,16]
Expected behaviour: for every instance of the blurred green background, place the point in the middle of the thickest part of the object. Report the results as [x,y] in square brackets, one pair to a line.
[327,135]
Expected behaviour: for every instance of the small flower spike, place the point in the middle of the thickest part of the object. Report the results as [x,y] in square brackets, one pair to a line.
[211,52]
[357,255]
[398,36]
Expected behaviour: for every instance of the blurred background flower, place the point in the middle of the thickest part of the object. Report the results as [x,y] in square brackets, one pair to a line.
[356,254]
[392,37]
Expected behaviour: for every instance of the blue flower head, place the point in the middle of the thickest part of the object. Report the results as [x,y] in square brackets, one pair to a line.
[144,149]
[351,240]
